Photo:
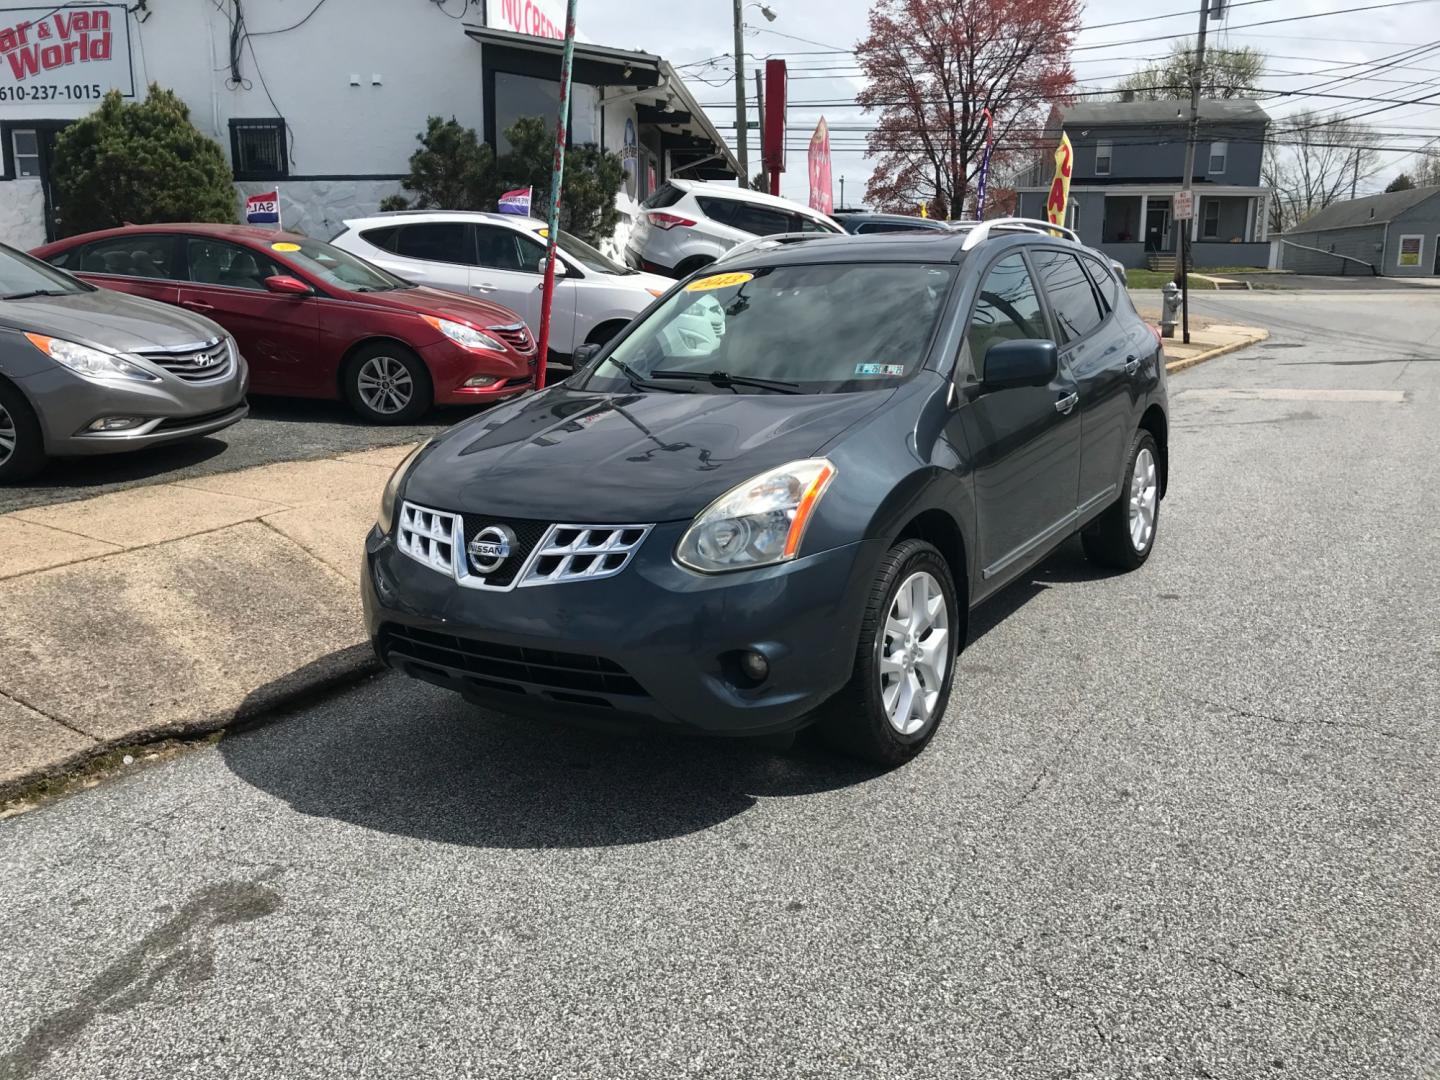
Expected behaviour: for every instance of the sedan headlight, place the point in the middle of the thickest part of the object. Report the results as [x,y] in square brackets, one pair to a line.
[392,488]
[759,522]
[91,363]
[465,336]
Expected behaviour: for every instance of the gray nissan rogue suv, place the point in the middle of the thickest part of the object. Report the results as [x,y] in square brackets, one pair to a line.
[90,371]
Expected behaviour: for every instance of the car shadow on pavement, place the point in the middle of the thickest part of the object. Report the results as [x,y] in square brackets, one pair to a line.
[405,758]
[101,470]
[297,410]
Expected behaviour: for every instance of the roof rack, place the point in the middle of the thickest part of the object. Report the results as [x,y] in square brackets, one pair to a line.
[981,230]
[761,243]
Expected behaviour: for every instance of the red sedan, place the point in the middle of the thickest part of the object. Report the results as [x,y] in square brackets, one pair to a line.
[315,321]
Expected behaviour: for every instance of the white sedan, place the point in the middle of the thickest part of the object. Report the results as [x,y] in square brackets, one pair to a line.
[500,257]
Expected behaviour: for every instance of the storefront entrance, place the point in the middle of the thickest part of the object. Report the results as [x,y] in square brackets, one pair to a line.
[29,150]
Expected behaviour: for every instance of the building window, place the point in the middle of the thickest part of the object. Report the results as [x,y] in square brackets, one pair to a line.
[25,145]
[257,149]
[1210,229]
[1219,151]
[1103,151]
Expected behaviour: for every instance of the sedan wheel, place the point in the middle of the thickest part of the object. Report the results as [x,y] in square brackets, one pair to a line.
[1144,498]
[22,446]
[1124,535]
[8,436]
[388,384]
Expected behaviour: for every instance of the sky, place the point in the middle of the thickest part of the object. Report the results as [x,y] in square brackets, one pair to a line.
[698,36]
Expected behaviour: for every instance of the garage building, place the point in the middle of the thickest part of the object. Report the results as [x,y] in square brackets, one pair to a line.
[1397,233]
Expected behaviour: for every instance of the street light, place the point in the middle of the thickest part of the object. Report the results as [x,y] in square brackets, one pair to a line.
[742,151]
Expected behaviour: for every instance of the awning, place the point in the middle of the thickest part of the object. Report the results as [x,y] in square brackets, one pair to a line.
[662,100]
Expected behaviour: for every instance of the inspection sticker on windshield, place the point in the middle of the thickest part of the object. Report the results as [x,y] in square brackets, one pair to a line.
[879,369]
[718,281]
[284,245]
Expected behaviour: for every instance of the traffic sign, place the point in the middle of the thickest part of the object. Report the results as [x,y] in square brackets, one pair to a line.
[1184,205]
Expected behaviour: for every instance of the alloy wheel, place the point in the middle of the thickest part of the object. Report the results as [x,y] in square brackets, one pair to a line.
[385,385]
[1144,495]
[9,437]
[914,653]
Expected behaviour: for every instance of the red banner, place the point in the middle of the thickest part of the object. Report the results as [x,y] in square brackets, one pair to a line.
[821,195]
[774,158]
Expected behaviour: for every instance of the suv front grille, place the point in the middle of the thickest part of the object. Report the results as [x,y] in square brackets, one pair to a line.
[196,363]
[516,335]
[505,667]
[539,553]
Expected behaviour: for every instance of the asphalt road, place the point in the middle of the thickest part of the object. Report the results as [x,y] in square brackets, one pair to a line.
[1181,823]
[277,429]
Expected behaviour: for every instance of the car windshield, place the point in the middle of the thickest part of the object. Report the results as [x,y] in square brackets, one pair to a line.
[587,256]
[22,276]
[816,329]
[338,268]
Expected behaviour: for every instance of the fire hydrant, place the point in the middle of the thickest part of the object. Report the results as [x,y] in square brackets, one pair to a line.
[1171,298]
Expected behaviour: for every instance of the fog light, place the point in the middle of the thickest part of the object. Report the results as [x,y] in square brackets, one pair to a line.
[481,380]
[754,666]
[116,423]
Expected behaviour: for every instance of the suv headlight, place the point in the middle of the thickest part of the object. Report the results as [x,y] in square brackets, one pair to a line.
[89,362]
[392,488]
[759,522]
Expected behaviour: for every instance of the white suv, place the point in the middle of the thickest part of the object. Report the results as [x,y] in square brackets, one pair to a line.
[500,257]
[686,224]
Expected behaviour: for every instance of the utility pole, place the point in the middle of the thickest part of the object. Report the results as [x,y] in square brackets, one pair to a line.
[842,193]
[1355,180]
[741,149]
[1197,77]
[760,112]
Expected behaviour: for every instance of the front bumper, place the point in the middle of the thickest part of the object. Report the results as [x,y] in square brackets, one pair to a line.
[654,642]
[170,409]
[450,366]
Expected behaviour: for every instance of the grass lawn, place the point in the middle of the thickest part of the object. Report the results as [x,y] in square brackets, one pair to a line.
[1154,279]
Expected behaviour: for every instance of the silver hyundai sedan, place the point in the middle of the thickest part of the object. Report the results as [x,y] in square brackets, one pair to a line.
[90,371]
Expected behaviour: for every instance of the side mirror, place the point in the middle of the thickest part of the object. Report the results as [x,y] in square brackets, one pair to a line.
[560,270]
[287,285]
[583,355]
[1026,362]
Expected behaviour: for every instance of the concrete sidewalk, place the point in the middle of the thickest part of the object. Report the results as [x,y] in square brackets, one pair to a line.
[178,608]
[1207,339]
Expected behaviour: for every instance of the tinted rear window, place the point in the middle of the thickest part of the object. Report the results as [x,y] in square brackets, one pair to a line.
[439,241]
[382,238]
[1104,279]
[1069,292]
[663,196]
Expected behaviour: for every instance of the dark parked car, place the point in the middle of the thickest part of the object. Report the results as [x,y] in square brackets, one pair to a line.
[315,321]
[861,223]
[789,519]
[86,371]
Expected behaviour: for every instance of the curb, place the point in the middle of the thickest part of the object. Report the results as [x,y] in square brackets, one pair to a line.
[336,671]
[1174,366]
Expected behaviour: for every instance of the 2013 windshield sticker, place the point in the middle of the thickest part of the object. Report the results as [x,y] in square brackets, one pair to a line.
[879,369]
[718,281]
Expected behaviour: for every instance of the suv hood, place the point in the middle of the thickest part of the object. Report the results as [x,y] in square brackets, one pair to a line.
[577,457]
[111,320]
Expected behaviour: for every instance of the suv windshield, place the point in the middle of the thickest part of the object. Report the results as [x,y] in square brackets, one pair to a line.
[818,329]
[22,276]
[587,256]
[339,268]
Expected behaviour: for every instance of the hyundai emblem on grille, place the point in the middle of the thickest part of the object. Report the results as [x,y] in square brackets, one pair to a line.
[490,548]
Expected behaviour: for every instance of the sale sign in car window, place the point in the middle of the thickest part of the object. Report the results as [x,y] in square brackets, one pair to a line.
[64,54]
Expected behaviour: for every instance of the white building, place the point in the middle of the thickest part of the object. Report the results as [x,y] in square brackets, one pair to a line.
[324,98]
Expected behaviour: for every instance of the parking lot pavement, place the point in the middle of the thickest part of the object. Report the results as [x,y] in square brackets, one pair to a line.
[277,429]
[1181,823]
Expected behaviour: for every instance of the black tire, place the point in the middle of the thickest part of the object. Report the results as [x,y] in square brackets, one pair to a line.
[690,265]
[855,721]
[377,404]
[605,331]
[1109,540]
[22,444]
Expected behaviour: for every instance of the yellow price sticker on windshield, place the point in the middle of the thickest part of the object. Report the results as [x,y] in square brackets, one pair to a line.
[718,281]
[543,233]
[284,245]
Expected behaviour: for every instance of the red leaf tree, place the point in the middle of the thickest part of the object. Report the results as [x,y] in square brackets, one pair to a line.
[934,66]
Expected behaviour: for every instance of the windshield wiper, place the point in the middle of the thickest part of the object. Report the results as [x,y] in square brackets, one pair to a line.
[35,292]
[640,382]
[725,380]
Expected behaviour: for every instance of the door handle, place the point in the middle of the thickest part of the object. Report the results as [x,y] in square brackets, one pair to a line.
[1132,365]
[484,286]
[196,305]
[1066,403]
